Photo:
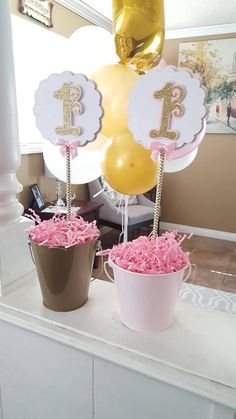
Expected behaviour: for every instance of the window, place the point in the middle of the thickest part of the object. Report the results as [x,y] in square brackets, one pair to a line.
[38,52]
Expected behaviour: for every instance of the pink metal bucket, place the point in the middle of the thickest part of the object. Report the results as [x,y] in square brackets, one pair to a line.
[147,302]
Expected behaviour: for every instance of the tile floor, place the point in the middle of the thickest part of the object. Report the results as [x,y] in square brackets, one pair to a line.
[215,261]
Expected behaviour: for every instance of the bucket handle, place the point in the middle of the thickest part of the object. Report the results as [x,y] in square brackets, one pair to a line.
[189,270]
[106,271]
[31,253]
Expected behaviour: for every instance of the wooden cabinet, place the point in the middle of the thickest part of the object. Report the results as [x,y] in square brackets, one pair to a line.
[88,210]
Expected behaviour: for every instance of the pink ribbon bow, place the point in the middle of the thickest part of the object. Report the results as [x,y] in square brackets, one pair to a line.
[72,145]
[158,148]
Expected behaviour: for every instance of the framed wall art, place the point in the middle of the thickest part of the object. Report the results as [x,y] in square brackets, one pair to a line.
[40,10]
[215,61]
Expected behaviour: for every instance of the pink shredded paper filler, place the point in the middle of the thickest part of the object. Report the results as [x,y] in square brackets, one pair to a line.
[60,232]
[150,256]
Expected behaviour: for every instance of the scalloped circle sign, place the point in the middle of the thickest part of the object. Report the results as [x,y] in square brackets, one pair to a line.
[164,102]
[68,107]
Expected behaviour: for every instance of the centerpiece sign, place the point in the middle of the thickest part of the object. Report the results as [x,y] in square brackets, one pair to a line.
[68,113]
[167,111]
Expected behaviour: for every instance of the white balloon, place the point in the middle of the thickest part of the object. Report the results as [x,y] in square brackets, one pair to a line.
[84,168]
[89,48]
[176,165]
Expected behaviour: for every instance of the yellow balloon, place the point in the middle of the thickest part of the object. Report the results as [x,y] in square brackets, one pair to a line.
[128,167]
[139,28]
[115,83]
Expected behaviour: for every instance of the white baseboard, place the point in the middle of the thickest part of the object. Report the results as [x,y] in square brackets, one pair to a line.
[198,231]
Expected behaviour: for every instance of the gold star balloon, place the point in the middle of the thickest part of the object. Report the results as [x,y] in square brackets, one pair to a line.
[139,30]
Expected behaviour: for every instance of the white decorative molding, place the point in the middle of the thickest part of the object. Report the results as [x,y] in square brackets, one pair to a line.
[98,19]
[87,12]
[151,355]
[201,31]
[10,208]
[198,231]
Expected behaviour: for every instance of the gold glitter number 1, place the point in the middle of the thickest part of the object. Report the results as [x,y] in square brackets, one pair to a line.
[70,94]
[172,95]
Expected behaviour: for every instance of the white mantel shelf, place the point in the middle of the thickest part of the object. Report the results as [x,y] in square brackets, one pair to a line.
[197,353]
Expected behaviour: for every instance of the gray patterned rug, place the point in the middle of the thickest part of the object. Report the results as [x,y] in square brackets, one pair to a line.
[208,298]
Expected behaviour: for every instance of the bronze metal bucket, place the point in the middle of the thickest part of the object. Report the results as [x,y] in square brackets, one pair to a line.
[64,274]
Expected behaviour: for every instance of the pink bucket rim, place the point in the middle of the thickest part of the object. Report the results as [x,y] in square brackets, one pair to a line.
[110,262]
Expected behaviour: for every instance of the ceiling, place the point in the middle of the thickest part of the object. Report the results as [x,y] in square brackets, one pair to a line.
[180,15]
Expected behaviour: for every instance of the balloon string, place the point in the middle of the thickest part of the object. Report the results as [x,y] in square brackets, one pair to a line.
[121,236]
[126,219]
[68,183]
[157,210]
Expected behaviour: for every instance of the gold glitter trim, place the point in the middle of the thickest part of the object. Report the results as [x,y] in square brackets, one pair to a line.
[70,94]
[68,183]
[157,210]
[172,95]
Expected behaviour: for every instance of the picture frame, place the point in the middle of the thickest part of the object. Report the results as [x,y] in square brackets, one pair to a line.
[39,10]
[38,198]
[215,61]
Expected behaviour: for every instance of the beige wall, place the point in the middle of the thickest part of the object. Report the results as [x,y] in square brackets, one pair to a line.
[32,171]
[203,194]
[65,22]
[32,167]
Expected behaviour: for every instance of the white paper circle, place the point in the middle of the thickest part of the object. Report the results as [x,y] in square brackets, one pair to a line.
[49,110]
[145,111]
[176,165]
[84,168]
